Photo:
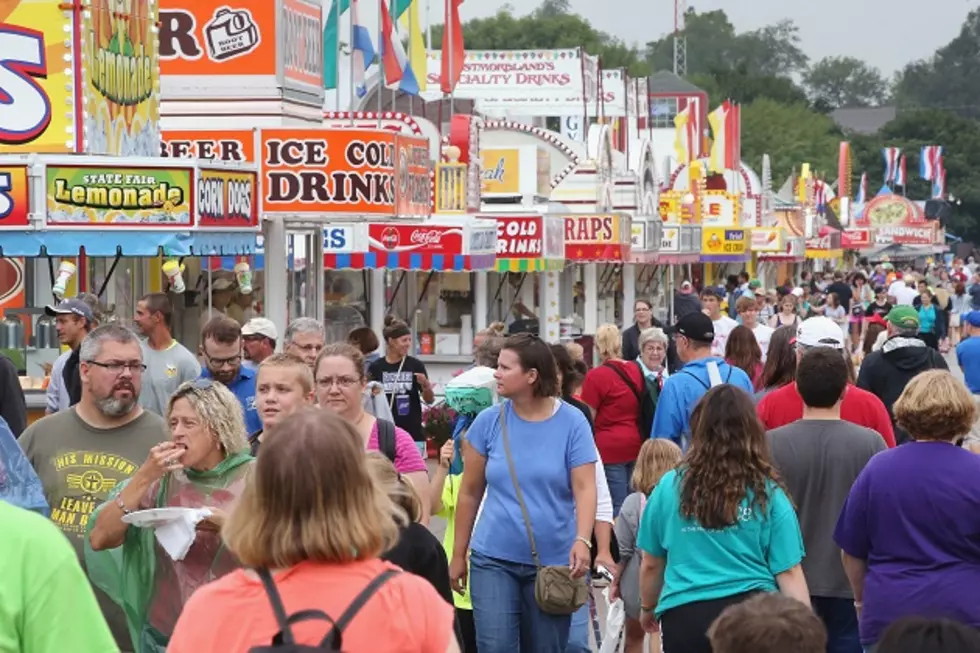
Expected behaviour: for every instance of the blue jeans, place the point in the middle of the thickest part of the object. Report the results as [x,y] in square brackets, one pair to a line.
[506,616]
[619,478]
[840,618]
[578,632]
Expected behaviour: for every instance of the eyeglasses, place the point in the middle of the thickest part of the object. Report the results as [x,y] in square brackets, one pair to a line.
[312,348]
[117,367]
[342,381]
[221,362]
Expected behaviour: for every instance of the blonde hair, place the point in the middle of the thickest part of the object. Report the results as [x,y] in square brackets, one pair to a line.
[608,342]
[657,457]
[575,350]
[292,362]
[399,490]
[219,409]
[935,406]
[311,498]
[495,330]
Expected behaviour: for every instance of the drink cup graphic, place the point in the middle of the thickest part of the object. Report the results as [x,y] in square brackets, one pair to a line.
[243,273]
[174,271]
[231,33]
[65,272]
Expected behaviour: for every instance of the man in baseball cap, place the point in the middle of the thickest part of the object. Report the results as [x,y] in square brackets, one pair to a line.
[887,371]
[693,335]
[968,352]
[74,318]
[259,337]
[782,406]
[686,300]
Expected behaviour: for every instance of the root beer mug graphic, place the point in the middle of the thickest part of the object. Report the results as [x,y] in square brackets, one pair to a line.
[230,33]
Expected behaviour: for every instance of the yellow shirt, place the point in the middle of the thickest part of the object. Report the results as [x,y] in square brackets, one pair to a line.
[450,497]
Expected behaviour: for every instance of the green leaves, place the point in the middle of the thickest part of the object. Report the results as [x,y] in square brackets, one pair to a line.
[846,82]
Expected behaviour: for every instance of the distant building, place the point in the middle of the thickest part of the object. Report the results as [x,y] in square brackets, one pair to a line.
[863,120]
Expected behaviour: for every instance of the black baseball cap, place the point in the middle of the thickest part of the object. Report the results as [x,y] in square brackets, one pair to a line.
[72,306]
[695,326]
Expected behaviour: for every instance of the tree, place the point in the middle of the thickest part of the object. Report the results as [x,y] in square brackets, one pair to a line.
[790,134]
[772,51]
[744,87]
[550,27]
[950,79]
[845,82]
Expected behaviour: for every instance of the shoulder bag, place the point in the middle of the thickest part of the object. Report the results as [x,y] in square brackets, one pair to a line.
[556,591]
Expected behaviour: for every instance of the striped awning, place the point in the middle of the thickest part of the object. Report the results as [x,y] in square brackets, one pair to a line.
[529,264]
[409,261]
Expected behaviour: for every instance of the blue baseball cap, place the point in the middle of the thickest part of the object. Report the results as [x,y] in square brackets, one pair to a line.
[973,318]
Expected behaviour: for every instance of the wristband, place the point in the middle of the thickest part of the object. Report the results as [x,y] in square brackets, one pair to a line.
[587,543]
[122,506]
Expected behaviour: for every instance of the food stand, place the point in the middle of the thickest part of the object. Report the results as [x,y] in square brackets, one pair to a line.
[111,217]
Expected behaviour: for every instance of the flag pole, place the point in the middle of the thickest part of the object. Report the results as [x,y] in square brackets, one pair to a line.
[336,12]
[452,87]
[353,92]
[585,95]
[411,27]
[381,63]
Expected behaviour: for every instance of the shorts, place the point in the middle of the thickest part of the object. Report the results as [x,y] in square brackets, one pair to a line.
[954,319]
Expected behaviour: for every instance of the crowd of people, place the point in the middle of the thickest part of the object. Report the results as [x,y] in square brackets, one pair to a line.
[784,470]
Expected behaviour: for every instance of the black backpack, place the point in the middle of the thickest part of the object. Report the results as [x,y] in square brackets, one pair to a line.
[646,396]
[386,439]
[284,642]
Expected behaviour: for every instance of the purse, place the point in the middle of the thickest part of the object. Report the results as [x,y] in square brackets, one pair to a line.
[556,591]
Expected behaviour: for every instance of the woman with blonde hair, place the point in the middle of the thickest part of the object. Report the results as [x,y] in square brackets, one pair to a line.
[417,551]
[313,524]
[613,390]
[908,530]
[657,457]
[205,464]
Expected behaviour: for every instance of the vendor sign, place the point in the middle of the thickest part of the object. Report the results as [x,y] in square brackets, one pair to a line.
[14,202]
[413,195]
[719,244]
[40,109]
[597,237]
[500,172]
[232,145]
[855,238]
[436,247]
[824,247]
[122,78]
[908,234]
[227,199]
[217,38]
[521,245]
[670,241]
[146,197]
[891,209]
[767,240]
[720,209]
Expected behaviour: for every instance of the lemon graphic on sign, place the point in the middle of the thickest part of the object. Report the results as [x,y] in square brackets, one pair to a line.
[714,243]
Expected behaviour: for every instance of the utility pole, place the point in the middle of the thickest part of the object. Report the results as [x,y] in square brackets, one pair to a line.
[680,39]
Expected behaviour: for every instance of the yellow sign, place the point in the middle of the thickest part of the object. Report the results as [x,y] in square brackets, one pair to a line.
[501,172]
[724,244]
[38,113]
[670,206]
[122,78]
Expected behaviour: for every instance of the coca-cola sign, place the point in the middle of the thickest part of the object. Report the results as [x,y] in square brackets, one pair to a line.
[435,239]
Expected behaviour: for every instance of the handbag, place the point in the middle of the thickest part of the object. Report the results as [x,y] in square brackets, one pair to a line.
[556,591]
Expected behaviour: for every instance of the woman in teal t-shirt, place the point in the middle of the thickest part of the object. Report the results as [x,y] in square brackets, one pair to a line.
[718,529]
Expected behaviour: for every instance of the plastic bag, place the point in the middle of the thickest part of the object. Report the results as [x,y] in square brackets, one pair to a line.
[19,484]
[615,620]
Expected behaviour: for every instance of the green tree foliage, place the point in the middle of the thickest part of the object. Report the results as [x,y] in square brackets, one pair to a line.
[790,134]
[845,82]
[549,27]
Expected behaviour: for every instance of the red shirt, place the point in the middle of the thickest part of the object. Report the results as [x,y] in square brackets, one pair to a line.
[785,406]
[617,411]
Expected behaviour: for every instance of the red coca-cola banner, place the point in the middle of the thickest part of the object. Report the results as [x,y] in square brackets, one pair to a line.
[412,239]
[520,236]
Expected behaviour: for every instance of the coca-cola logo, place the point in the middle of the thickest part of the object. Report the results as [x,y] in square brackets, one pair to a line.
[426,237]
[389,238]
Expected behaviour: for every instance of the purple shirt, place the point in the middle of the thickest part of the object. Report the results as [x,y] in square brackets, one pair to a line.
[914,515]
[407,456]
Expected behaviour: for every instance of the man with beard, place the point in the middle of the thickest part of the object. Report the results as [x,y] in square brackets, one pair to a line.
[221,347]
[82,453]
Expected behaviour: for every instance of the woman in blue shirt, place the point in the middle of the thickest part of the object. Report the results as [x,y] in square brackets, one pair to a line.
[718,529]
[554,460]
[929,320]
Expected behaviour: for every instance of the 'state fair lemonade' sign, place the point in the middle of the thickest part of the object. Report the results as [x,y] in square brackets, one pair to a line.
[155,197]
[227,198]
[35,82]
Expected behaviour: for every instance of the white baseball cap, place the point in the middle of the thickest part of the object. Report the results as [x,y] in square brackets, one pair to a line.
[797,292]
[820,332]
[260,326]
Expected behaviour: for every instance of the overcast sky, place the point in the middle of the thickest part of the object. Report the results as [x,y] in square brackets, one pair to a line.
[886,33]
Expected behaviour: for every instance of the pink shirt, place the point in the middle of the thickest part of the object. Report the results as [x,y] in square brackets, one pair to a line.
[407,456]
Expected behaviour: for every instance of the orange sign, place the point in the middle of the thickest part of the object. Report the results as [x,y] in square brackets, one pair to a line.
[414,192]
[217,37]
[235,145]
[40,110]
[328,171]
[302,43]
[14,208]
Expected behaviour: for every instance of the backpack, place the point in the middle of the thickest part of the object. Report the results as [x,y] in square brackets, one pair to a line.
[386,439]
[646,396]
[714,381]
[284,642]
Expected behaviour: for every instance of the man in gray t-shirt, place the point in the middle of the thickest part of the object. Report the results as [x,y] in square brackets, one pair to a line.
[819,457]
[168,363]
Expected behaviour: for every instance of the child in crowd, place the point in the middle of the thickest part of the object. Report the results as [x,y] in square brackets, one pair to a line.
[282,384]
[656,458]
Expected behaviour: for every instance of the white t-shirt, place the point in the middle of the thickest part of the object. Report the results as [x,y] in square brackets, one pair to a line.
[763,334]
[723,326]
[904,295]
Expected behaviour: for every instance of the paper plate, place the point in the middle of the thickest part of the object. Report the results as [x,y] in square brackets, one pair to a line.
[159,516]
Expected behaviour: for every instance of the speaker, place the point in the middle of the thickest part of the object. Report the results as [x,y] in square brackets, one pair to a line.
[938,210]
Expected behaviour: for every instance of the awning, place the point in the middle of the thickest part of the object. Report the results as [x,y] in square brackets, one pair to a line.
[903,252]
[148,242]
[414,261]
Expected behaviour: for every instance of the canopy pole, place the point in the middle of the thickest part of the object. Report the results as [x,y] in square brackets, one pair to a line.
[108,276]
